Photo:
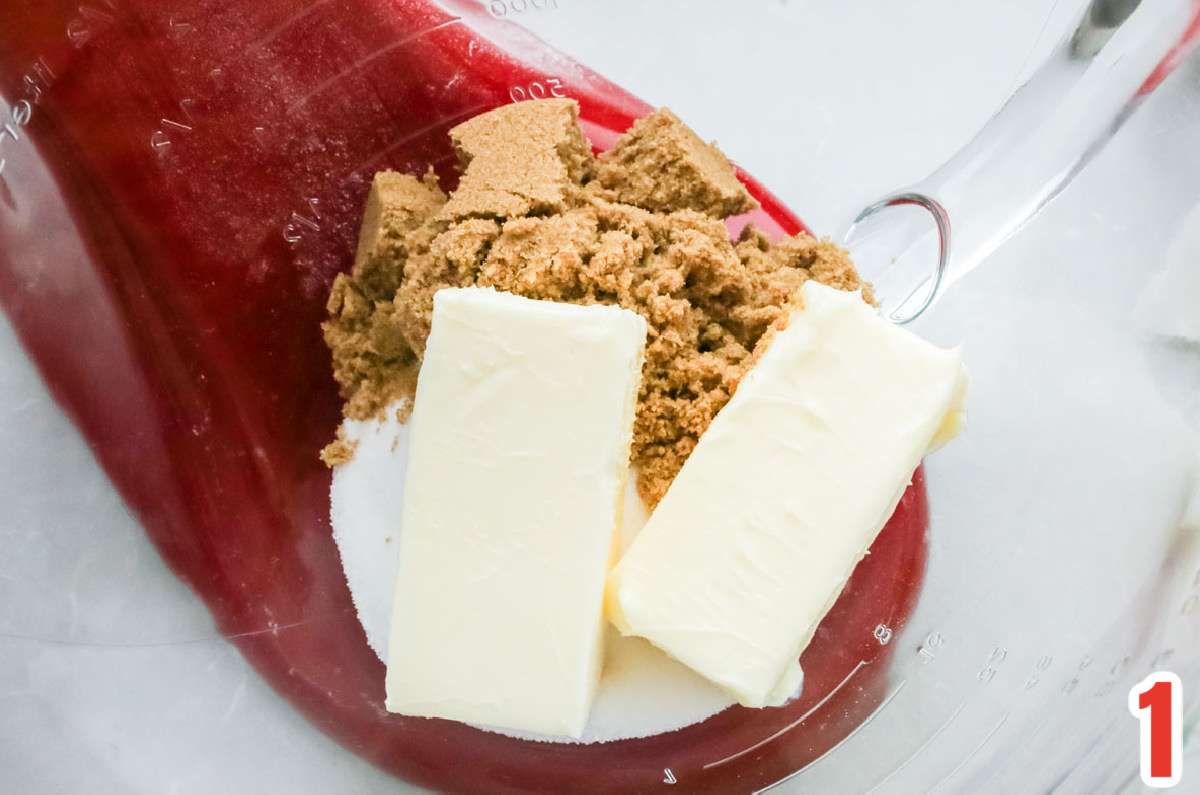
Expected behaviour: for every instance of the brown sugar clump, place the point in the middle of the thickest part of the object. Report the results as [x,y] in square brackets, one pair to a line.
[659,249]
[529,157]
[661,165]
[340,450]
[373,361]
[396,205]
[439,256]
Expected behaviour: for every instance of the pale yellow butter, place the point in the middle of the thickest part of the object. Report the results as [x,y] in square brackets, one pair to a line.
[519,452]
[784,494]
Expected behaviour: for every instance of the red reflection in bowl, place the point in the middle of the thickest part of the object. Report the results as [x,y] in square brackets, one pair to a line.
[181,182]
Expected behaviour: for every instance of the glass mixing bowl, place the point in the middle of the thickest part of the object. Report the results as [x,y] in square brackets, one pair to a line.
[179,184]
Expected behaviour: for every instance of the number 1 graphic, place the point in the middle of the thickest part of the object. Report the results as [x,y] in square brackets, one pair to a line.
[1157,701]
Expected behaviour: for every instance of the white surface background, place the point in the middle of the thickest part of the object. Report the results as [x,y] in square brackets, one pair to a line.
[1049,514]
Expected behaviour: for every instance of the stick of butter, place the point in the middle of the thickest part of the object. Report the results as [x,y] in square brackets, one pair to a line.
[519,451]
[784,494]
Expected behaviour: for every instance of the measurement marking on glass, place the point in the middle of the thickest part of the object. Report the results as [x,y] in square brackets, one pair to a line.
[501,8]
[883,705]
[162,137]
[791,725]
[992,667]
[1043,664]
[987,738]
[293,230]
[36,81]
[538,89]
[179,27]
[361,62]
[918,752]
[90,22]
[929,649]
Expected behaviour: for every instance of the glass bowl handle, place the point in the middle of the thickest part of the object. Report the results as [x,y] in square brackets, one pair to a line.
[915,242]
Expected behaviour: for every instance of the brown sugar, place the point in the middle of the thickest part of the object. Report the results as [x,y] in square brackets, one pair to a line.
[662,165]
[373,361]
[340,450]
[519,159]
[658,248]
